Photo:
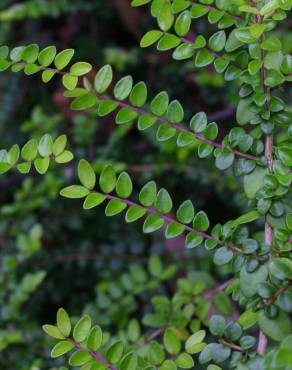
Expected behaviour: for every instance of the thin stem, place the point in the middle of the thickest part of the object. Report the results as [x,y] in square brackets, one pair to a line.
[231,345]
[179,128]
[152,336]
[169,220]
[92,354]
[278,292]
[162,120]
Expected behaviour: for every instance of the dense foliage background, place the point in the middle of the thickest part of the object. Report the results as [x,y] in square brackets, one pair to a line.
[54,254]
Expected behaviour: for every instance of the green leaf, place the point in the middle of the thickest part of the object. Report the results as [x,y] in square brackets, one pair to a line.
[269,8]
[199,122]
[163,202]
[224,159]
[63,322]
[281,268]
[222,256]
[45,147]
[59,145]
[134,213]
[47,76]
[53,331]
[41,165]
[185,361]
[69,81]
[201,221]
[246,218]
[108,179]
[248,319]
[249,281]
[61,348]
[165,132]
[220,353]
[150,38]
[183,51]
[126,115]
[30,53]
[186,212]
[175,112]
[103,78]
[203,58]
[94,340]
[249,246]
[168,42]
[171,342]
[198,11]
[173,230]
[114,207]
[155,353]
[13,155]
[183,23]
[152,223]
[79,358]
[285,154]
[93,200]
[84,101]
[139,2]
[124,186]
[217,325]
[81,329]
[63,58]
[80,69]
[160,103]
[138,96]
[65,157]
[29,150]
[155,265]
[146,121]
[193,341]
[106,107]
[115,352]
[289,221]
[47,56]
[123,88]
[148,194]
[276,328]
[253,182]
[22,167]
[193,240]
[217,41]
[165,17]
[74,192]
[86,174]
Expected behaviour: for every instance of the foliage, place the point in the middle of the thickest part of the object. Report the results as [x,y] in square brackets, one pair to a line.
[195,322]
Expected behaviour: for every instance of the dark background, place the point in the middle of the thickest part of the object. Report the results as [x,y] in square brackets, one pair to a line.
[79,249]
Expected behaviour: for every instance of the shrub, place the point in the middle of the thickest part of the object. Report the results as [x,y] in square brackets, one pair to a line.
[248,51]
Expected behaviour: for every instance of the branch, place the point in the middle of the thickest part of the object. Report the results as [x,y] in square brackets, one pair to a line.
[278,292]
[232,345]
[92,354]
[160,120]
[170,219]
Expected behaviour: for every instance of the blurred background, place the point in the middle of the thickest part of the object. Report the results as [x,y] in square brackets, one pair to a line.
[52,253]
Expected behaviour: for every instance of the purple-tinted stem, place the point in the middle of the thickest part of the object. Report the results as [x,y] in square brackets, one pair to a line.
[92,354]
[210,7]
[180,128]
[166,218]
[190,42]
